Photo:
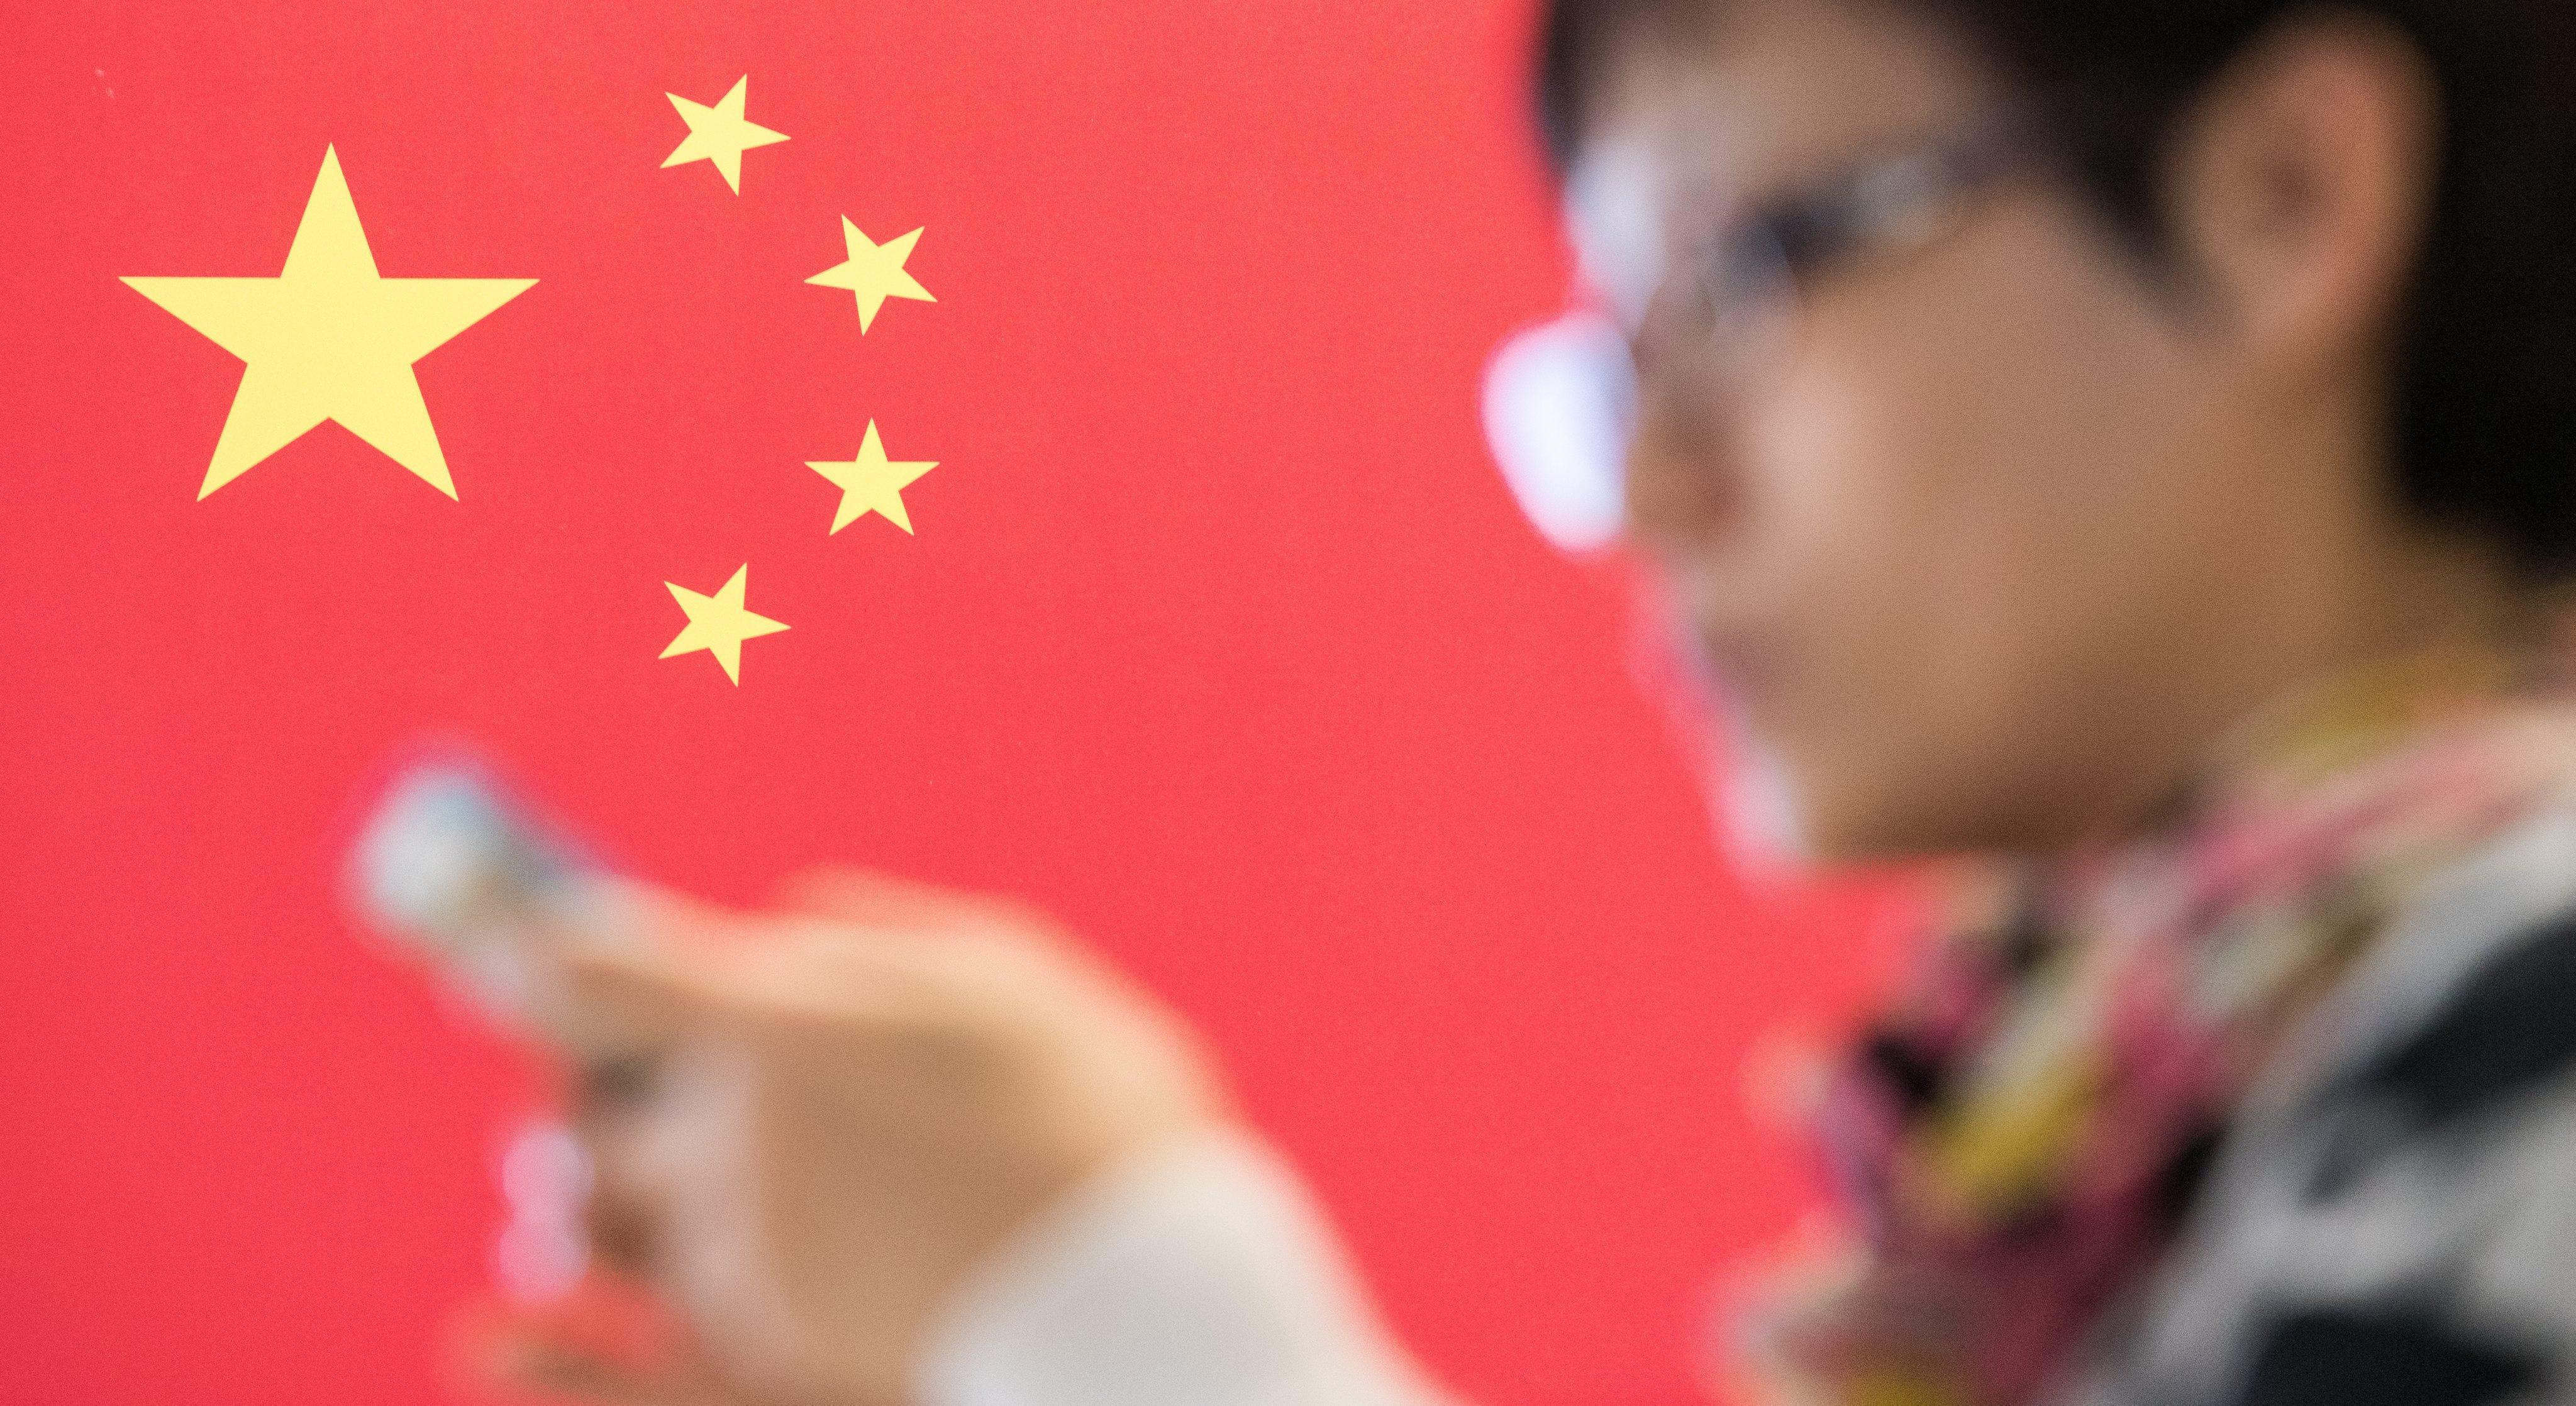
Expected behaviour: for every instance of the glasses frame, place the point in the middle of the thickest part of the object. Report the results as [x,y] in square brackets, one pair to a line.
[1741,285]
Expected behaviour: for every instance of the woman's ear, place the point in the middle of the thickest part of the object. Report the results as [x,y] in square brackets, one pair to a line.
[2300,189]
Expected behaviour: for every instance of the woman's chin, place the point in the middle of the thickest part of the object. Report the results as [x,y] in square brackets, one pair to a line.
[1776,818]
[1756,812]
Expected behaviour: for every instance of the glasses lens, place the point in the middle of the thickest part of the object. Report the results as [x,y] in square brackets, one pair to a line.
[1748,291]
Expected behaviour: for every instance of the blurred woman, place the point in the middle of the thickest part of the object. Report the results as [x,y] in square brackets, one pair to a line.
[2129,446]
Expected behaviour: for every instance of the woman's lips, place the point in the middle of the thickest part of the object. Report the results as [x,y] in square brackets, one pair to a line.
[1725,642]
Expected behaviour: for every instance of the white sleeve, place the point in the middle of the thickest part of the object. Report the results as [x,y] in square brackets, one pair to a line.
[1198,1274]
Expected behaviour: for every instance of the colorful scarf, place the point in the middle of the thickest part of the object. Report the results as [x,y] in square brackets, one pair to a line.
[2014,1144]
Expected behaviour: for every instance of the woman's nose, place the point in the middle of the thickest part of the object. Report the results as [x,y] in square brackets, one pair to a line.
[1683,486]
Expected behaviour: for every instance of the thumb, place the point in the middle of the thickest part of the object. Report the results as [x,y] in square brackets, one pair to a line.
[872,898]
[560,1373]
[646,971]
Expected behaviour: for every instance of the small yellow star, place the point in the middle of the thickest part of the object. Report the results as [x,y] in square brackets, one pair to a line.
[718,623]
[719,133]
[329,339]
[874,272]
[871,483]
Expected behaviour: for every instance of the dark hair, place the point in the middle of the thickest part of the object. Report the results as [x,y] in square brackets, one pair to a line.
[2486,371]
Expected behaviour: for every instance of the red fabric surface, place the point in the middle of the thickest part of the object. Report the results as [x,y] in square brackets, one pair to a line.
[1219,636]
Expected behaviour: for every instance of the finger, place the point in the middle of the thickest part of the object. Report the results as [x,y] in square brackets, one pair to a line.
[686,979]
[649,976]
[532,1363]
[832,975]
[918,921]
[651,969]
[873,898]
[644,997]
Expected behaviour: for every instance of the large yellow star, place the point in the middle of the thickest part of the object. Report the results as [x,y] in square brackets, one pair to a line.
[871,483]
[718,623]
[719,133]
[329,339]
[874,272]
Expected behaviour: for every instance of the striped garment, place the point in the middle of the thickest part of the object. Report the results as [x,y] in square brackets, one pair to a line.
[2274,1105]
[2397,1227]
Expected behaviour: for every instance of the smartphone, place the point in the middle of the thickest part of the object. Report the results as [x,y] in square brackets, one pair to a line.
[472,881]
[468,879]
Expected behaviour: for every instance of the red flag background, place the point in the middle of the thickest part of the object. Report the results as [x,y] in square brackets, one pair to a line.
[1219,636]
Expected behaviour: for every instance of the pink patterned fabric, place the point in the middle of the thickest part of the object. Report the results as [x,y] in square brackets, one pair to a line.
[2015,1142]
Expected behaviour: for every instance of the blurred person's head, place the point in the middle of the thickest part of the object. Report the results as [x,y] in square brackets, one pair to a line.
[2031,390]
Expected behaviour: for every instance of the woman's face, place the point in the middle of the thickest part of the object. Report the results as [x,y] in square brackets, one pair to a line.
[1958,538]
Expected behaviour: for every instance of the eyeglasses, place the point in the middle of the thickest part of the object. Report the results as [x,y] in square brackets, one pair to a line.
[1736,292]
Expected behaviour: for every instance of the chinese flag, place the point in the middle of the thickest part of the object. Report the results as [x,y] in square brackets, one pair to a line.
[1031,446]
